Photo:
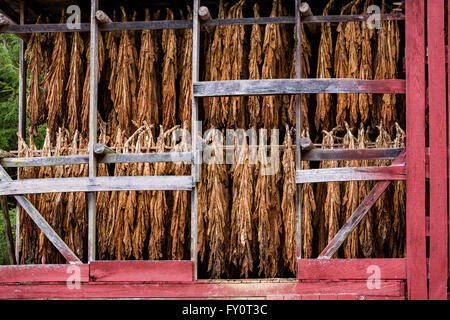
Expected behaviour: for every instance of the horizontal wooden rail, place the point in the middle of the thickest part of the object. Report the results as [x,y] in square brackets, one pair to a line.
[350,269]
[108,158]
[349,154]
[186,24]
[296,86]
[43,273]
[37,186]
[141,271]
[351,174]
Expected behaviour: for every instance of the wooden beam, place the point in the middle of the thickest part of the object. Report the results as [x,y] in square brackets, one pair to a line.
[107,158]
[415,151]
[141,271]
[306,144]
[299,142]
[94,70]
[185,24]
[438,155]
[305,11]
[295,86]
[4,20]
[203,13]
[200,290]
[13,15]
[196,166]
[351,174]
[358,215]
[42,273]
[39,186]
[42,224]
[350,269]
[22,116]
[8,231]
[102,17]
[348,154]
[102,150]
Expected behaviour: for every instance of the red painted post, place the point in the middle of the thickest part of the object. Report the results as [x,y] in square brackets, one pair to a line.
[415,154]
[438,150]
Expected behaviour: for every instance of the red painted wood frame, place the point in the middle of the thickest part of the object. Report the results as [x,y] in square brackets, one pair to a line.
[438,262]
[416,268]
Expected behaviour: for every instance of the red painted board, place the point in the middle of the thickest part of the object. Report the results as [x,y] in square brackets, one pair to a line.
[195,289]
[415,150]
[438,149]
[44,273]
[142,271]
[319,269]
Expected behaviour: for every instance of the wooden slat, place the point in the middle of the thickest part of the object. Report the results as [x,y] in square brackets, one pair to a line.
[196,168]
[358,215]
[351,174]
[186,24]
[357,154]
[438,155]
[109,158]
[38,186]
[141,271]
[42,224]
[44,161]
[390,288]
[42,273]
[347,269]
[300,144]
[22,117]
[295,86]
[415,131]
[93,101]
[147,157]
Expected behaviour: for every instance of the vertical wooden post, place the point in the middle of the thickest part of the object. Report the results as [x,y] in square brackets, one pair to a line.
[196,165]
[92,196]
[22,113]
[415,150]
[298,113]
[438,150]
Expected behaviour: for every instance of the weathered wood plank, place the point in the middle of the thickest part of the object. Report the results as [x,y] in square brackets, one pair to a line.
[44,161]
[148,157]
[141,271]
[102,150]
[22,116]
[358,215]
[438,155]
[397,172]
[350,269]
[415,151]
[108,158]
[196,167]
[305,144]
[43,273]
[347,154]
[38,186]
[186,24]
[93,101]
[42,224]
[295,86]
[391,288]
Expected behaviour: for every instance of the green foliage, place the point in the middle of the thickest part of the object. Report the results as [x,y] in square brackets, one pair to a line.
[9,88]
[4,256]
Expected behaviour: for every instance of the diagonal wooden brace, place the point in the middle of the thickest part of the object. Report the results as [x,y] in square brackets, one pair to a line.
[359,214]
[42,224]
